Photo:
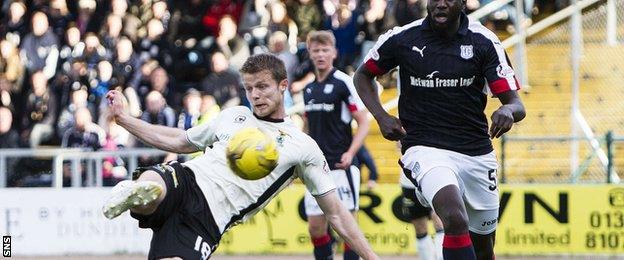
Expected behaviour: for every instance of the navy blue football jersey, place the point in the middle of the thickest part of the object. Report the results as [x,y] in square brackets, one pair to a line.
[328,108]
[444,82]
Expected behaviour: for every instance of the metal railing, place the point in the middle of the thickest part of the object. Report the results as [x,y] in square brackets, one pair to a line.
[544,159]
[93,159]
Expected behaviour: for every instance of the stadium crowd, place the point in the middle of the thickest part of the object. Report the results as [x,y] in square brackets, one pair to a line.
[175,61]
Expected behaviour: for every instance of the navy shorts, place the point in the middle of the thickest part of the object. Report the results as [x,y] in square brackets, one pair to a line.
[183,224]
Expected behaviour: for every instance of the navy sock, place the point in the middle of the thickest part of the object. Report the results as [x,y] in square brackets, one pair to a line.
[323,248]
[349,254]
[458,247]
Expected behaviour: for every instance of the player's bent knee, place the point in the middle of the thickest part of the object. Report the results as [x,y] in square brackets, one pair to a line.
[317,225]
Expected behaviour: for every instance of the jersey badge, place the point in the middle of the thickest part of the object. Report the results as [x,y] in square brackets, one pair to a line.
[328,88]
[466,51]
[239,119]
[281,138]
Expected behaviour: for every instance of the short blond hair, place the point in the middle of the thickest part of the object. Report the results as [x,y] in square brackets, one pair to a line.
[322,37]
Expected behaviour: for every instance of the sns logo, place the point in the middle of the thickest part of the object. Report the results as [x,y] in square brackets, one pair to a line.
[203,247]
[6,246]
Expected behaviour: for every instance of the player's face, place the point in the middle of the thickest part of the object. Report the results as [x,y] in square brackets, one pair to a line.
[322,55]
[265,95]
[444,12]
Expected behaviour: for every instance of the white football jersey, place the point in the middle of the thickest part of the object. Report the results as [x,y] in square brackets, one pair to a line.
[233,199]
[405,182]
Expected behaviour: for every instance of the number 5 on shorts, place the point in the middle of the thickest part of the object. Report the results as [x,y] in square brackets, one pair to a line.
[492,177]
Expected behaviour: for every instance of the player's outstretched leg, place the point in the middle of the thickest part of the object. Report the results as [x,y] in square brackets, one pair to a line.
[141,196]
[320,237]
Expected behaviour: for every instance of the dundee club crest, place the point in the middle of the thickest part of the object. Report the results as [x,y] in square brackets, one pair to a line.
[466,51]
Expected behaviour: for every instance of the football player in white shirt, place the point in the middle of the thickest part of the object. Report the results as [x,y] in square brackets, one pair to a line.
[190,205]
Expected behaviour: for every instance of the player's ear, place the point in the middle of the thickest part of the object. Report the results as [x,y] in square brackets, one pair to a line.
[283,85]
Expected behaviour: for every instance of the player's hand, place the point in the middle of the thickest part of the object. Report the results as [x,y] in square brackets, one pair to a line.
[502,121]
[391,128]
[116,103]
[345,161]
[371,184]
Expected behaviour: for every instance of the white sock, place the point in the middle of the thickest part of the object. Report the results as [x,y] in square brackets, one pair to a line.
[439,237]
[425,248]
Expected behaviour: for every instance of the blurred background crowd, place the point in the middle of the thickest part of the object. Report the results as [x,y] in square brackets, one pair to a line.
[176,61]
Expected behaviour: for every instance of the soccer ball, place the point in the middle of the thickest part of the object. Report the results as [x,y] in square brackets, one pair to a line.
[251,154]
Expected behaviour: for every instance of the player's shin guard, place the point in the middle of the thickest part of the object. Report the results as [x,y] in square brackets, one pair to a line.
[349,254]
[424,244]
[458,247]
[323,248]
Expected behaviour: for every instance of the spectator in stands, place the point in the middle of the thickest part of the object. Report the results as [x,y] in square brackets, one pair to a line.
[159,113]
[86,20]
[71,49]
[66,119]
[130,22]
[155,46]
[209,109]
[219,9]
[280,22]
[142,9]
[161,13]
[189,116]
[343,24]
[11,70]
[224,83]
[126,64]
[186,21]
[85,133]
[14,26]
[9,138]
[372,22]
[111,31]
[94,52]
[307,15]
[105,81]
[113,168]
[40,48]
[407,11]
[232,45]
[37,125]
[60,17]
[278,45]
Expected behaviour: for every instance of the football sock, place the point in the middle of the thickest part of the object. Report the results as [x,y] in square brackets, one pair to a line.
[323,248]
[349,254]
[458,247]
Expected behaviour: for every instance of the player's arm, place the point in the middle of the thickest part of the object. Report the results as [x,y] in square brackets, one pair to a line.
[379,60]
[165,138]
[344,224]
[504,85]
[510,112]
[358,112]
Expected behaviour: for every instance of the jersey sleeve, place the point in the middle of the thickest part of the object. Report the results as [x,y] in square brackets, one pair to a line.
[350,96]
[314,171]
[497,69]
[203,135]
[381,58]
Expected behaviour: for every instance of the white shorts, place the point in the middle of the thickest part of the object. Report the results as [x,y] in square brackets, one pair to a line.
[348,190]
[475,176]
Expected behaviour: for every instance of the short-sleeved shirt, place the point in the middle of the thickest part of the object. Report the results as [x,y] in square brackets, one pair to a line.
[444,82]
[328,107]
[233,199]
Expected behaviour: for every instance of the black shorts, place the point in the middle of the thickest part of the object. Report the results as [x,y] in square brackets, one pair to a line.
[411,206]
[183,224]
